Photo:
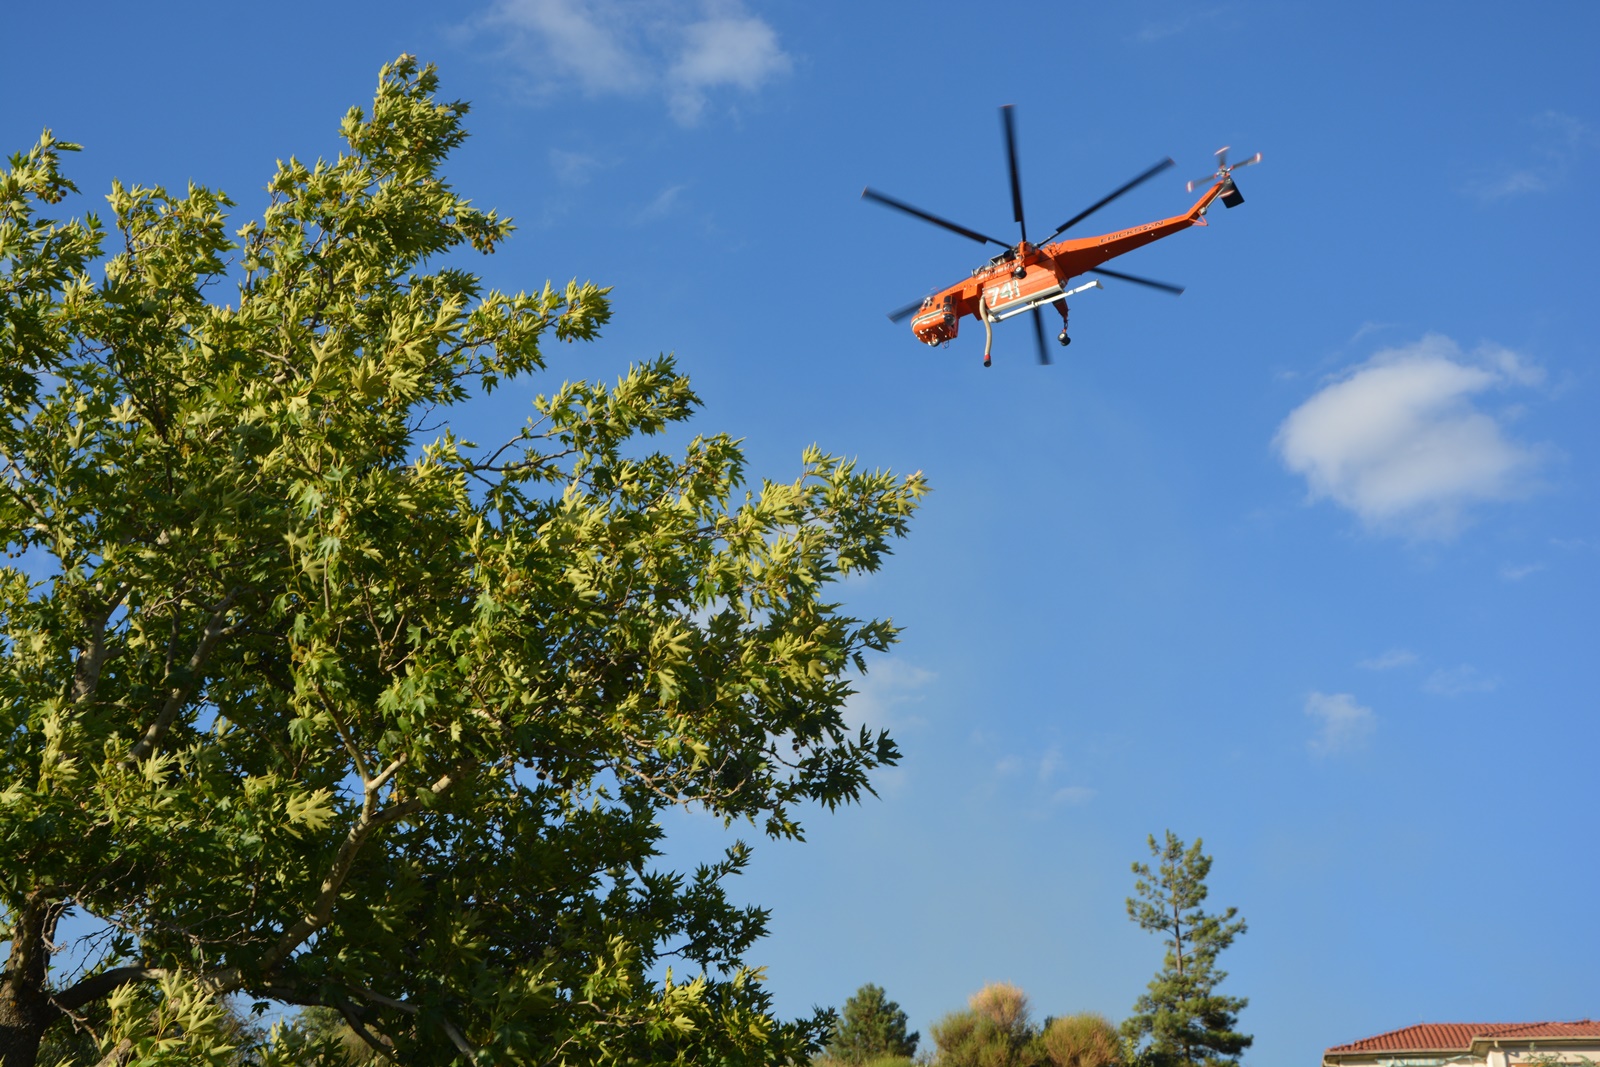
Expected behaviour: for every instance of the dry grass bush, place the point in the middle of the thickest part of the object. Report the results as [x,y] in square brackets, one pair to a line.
[1002,1004]
[995,1031]
[1083,1040]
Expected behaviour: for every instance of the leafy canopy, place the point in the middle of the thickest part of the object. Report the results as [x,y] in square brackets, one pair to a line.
[1181,1018]
[304,700]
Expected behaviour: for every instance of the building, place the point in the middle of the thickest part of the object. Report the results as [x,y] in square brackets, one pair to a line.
[1473,1045]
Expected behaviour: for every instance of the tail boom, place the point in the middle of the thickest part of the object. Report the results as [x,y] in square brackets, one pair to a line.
[1076,256]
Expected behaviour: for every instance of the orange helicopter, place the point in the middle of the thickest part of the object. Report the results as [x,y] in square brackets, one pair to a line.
[1027,276]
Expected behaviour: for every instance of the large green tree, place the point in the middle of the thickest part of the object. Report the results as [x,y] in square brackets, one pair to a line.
[305,700]
[1181,1018]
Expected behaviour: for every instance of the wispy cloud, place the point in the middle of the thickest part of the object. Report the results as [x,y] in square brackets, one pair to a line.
[1558,142]
[663,204]
[1515,572]
[1457,681]
[1043,769]
[679,51]
[1402,442]
[573,168]
[883,695]
[1153,30]
[1371,328]
[1388,661]
[1342,724]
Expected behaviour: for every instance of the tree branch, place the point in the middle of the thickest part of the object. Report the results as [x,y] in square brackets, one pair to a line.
[98,985]
[86,674]
[388,1002]
[388,773]
[175,694]
[462,1045]
[457,1039]
[118,1055]
[379,1045]
[328,894]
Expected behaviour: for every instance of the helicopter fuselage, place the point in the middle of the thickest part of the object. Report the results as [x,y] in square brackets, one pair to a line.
[1029,276]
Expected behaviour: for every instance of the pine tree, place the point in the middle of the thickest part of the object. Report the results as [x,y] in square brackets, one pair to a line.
[1181,1019]
[873,1027]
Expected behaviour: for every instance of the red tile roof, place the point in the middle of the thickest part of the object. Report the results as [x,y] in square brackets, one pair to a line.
[1581,1028]
[1454,1037]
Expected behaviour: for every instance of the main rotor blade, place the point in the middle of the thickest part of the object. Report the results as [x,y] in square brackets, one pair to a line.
[1175,290]
[1009,124]
[1038,335]
[900,205]
[1103,201]
[901,314]
[1246,162]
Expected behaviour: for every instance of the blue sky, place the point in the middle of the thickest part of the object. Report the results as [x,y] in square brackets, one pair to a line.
[1303,562]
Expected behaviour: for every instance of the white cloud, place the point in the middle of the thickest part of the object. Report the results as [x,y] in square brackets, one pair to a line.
[1515,572]
[1073,794]
[1456,681]
[676,50]
[1343,725]
[1401,441]
[729,49]
[1388,661]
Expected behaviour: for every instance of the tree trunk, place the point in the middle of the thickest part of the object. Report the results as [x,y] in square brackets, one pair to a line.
[25,1008]
[21,1029]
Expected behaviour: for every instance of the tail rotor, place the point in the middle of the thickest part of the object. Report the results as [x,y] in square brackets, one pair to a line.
[1224,173]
